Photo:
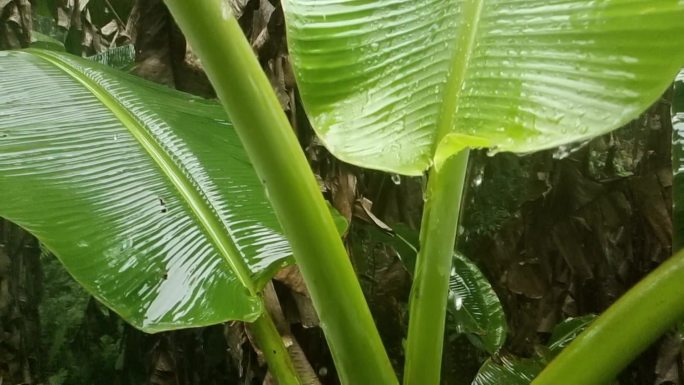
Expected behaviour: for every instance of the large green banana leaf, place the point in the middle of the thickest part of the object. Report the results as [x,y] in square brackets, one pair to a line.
[399,84]
[678,163]
[144,193]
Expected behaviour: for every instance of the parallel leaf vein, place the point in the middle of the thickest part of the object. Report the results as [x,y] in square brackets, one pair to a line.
[172,171]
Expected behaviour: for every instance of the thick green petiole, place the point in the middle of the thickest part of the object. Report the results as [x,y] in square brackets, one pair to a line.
[274,151]
[431,279]
[626,329]
[271,344]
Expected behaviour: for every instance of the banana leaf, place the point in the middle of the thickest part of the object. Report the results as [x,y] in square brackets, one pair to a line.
[144,193]
[402,85]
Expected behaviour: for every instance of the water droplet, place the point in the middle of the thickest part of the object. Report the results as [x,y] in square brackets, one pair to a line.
[116,137]
[458,301]
[561,153]
[478,180]
[564,151]
[127,244]
[375,46]
[82,244]
[396,179]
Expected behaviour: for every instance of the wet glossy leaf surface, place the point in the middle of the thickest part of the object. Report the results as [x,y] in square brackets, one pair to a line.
[678,162]
[384,81]
[511,370]
[508,370]
[566,331]
[474,307]
[144,193]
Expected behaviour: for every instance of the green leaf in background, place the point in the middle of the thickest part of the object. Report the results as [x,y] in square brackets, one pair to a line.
[508,370]
[566,331]
[121,58]
[144,193]
[384,82]
[39,40]
[340,221]
[678,163]
[474,306]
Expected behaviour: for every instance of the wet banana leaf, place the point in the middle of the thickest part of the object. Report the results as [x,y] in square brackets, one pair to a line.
[678,163]
[144,193]
[508,370]
[398,85]
[474,307]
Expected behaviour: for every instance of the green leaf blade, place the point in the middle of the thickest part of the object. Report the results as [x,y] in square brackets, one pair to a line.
[566,331]
[509,370]
[475,307]
[384,81]
[172,232]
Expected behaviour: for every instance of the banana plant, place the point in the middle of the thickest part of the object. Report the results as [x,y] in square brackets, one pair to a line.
[400,86]
[145,195]
[407,87]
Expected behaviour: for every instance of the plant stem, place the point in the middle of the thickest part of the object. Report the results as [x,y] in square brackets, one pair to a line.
[623,331]
[430,288]
[271,344]
[274,151]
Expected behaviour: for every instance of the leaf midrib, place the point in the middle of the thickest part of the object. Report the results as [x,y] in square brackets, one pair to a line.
[465,44]
[172,171]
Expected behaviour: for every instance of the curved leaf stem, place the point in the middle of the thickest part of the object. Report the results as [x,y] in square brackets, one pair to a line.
[271,344]
[621,333]
[276,154]
[430,288]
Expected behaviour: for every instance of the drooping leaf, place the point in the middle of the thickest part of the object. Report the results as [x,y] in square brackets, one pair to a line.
[406,243]
[508,370]
[474,307]
[678,163]
[386,81]
[566,331]
[144,193]
[402,239]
